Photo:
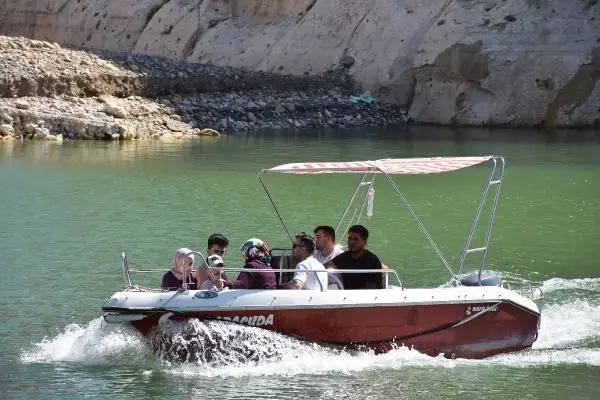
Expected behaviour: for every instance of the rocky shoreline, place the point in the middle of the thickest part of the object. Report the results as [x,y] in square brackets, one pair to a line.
[49,92]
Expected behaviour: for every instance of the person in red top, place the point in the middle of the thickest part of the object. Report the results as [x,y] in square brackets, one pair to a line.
[256,254]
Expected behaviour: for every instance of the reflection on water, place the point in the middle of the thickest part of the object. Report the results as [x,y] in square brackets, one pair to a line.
[411,141]
[93,152]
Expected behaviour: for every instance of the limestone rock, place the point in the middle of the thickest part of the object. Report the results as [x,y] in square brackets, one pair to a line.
[7,130]
[347,61]
[4,117]
[22,104]
[115,110]
[176,126]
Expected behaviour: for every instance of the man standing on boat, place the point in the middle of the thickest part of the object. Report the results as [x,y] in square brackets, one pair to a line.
[305,277]
[358,257]
[325,244]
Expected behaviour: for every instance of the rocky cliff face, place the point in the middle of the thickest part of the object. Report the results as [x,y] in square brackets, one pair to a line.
[474,62]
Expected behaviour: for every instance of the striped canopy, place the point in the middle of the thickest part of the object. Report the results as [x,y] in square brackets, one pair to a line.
[401,166]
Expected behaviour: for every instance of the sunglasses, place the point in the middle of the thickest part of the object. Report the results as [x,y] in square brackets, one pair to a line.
[297,245]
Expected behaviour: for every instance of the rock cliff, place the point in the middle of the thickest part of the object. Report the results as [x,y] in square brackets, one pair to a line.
[48,92]
[465,62]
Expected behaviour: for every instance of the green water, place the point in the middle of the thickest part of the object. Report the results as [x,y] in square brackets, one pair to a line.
[69,210]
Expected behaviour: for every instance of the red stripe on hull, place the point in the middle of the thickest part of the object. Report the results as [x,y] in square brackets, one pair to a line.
[432,329]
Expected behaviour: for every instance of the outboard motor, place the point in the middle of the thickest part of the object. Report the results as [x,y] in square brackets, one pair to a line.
[487,278]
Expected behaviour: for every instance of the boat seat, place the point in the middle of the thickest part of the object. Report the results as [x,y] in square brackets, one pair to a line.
[283,262]
[289,262]
[333,282]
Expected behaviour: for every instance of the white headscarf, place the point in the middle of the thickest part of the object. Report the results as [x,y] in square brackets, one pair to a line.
[178,262]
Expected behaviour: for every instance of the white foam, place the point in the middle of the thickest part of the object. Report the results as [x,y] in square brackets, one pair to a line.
[533,358]
[319,361]
[95,343]
[554,284]
[568,323]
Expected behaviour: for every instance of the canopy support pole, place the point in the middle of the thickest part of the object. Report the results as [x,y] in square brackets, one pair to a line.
[419,223]
[363,181]
[275,207]
[498,165]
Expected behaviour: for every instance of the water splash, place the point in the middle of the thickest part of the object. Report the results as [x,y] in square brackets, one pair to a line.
[217,343]
[558,284]
[94,343]
[316,360]
[568,324]
[545,358]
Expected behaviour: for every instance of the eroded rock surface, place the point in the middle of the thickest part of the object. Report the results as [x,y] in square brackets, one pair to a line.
[474,62]
[51,93]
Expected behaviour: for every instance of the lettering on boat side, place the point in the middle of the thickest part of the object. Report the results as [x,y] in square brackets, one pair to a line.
[206,295]
[476,309]
[253,320]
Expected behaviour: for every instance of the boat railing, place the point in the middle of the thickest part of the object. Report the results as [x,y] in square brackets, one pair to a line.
[527,289]
[530,290]
[128,271]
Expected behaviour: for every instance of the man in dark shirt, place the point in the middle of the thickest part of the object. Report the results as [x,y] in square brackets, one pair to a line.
[358,257]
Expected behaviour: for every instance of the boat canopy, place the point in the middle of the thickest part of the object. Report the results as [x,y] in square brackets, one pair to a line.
[395,166]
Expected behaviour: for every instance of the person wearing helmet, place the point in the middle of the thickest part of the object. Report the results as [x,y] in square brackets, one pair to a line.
[256,254]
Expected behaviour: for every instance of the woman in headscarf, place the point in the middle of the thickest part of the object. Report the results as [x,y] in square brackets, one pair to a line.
[256,254]
[181,265]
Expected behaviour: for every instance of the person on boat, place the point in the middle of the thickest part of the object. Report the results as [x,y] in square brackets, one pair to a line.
[327,251]
[304,277]
[181,265]
[217,245]
[256,254]
[325,244]
[358,257]
[215,267]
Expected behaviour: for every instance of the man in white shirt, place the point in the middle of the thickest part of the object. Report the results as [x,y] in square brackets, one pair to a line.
[325,244]
[326,251]
[305,277]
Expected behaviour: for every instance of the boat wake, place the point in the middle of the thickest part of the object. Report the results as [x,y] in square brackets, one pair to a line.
[569,334]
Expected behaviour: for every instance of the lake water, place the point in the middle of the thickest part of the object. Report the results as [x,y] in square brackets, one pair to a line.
[69,210]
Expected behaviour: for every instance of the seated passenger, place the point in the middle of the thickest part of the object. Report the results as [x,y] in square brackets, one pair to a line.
[325,251]
[325,244]
[215,266]
[256,254]
[217,244]
[181,264]
[303,250]
[358,257]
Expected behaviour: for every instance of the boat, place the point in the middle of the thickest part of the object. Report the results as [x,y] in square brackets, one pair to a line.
[475,316]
